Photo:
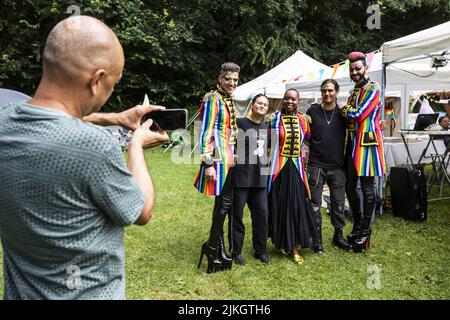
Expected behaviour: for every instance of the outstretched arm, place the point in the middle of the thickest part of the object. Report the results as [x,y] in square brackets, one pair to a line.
[130,118]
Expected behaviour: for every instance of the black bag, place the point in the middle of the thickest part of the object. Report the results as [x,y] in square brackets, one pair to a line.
[409,192]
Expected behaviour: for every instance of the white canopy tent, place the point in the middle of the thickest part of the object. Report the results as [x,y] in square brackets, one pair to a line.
[299,67]
[413,58]
[341,75]
[272,83]
[403,73]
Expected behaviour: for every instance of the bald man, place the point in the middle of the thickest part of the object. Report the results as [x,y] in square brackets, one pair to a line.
[66,193]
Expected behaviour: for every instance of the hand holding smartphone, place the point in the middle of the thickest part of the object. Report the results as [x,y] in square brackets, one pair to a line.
[168,119]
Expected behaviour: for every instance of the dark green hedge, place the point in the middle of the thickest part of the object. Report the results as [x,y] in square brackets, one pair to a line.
[174,48]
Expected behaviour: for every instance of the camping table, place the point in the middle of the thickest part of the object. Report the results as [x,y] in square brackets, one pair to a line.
[439,157]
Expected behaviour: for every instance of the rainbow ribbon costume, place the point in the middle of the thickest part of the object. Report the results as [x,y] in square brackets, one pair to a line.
[363,129]
[288,132]
[218,135]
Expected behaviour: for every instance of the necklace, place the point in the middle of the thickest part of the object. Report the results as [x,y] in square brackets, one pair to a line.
[325,115]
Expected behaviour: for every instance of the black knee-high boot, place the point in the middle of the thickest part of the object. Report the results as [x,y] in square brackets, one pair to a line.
[362,243]
[357,226]
[355,207]
[214,248]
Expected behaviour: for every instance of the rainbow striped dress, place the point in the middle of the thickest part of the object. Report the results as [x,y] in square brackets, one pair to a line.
[363,114]
[218,133]
[288,133]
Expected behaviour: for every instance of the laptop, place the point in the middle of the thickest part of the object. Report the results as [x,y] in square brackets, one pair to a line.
[424,120]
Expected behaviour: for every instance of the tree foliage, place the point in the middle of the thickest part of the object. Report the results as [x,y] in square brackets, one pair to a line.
[174,48]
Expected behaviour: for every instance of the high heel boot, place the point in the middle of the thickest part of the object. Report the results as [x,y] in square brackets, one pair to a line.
[363,241]
[214,263]
[214,248]
[226,259]
[356,230]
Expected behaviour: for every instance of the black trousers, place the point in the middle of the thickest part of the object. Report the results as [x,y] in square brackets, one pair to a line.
[256,199]
[223,204]
[335,178]
[368,190]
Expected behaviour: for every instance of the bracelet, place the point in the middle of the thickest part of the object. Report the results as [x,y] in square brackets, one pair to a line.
[205,165]
[207,160]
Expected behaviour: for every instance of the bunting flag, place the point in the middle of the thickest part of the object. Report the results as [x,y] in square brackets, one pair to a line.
[311,75]
[335,67]
[346,65]
[321,71]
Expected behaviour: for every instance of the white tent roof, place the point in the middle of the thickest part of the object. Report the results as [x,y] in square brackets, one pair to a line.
[272,83]
[312,88]
[419,43]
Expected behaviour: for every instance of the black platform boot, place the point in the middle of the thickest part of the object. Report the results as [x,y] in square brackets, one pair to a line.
[226,259]
[363,241]
[214,248]
[214,263]
[339,241]
[354,234]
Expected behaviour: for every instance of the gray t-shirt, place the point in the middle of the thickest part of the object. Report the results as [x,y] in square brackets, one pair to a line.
[66,195]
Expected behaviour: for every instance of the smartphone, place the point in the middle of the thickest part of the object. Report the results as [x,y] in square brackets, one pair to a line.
[168,119]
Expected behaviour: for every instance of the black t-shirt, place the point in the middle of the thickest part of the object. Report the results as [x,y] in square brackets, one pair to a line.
[326,149]
[251,148]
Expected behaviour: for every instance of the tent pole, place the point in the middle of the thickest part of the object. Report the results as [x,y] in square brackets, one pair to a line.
[187,128]
[248,107]
[383,90]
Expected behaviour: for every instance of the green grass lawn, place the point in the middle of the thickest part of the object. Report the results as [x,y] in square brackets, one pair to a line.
[413,258]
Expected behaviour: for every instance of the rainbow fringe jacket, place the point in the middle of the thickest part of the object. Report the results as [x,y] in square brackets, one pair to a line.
[288,133]
[363,114]
[216,114]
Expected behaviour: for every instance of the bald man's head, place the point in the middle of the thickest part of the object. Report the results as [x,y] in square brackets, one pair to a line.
[77,47]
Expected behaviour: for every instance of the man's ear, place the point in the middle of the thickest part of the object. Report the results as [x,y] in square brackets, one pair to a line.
[94,82]
[366,72]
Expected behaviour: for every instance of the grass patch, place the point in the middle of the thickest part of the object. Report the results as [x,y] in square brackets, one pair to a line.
[162,257]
